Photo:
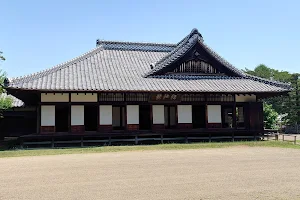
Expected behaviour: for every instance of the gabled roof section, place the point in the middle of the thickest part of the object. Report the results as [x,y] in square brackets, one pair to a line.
[183,47]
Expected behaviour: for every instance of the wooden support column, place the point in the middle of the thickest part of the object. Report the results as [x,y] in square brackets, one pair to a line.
[38,118]
[234,113]
[69,115]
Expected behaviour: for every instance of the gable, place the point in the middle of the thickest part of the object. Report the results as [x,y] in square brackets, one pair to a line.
[196,61]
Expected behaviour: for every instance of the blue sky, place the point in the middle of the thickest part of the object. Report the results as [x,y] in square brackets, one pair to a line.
[35,35]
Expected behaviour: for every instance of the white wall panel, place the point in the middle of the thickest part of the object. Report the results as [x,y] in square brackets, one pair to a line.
[105,114]
[54,97]
[158,113]
[47,115]
[77,115]
[84,97]
[184,113]
[133,114]
[214,114]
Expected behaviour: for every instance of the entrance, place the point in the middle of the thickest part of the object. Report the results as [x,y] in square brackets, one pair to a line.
[227,117]
[118,117]
[90,117]
[61,118]
[199,116]
[170,117]
[145,117]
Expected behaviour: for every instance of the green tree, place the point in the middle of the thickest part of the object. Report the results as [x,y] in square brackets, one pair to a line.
[283,104]
[270,117]
[5,102]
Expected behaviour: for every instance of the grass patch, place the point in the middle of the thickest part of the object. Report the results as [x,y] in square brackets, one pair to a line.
[60,151]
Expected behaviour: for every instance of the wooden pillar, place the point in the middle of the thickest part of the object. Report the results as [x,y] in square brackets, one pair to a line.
[69,114]
[234,114]
[38,118]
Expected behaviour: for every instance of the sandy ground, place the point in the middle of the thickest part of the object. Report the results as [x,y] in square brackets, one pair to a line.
[228,173]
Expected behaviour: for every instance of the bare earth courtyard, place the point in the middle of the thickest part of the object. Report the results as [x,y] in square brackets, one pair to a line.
[222,173]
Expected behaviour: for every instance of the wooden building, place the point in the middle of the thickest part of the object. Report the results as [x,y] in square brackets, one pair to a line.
[146,89]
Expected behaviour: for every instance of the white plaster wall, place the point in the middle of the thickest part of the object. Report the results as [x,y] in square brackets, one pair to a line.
[47,115]
[133,114]
[77,115]
[184,113]
[116,116]
[54,97]
[105,115]
[214,114]
[84,97]
[245,98]
[158,113]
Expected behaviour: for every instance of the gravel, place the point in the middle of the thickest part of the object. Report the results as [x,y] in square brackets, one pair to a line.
[225,173]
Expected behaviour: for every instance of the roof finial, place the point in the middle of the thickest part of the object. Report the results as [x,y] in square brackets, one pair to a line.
[195,32]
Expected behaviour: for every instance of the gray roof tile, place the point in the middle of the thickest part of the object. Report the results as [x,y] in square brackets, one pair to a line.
[121,66]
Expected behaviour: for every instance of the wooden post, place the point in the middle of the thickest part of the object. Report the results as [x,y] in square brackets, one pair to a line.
[81,143]
[267,137]
[209,137]
[186,140]
[109,140]
[161,138]
[136,139]
[295,139]
[282,137]
[21,144]
[276,137]
[52,142]
[232,136]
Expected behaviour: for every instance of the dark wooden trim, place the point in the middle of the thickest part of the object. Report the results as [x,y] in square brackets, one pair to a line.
[98,111]
[70,114]
[234,115]
[38,117]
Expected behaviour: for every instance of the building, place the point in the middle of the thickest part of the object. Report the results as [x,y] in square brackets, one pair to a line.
[137,89]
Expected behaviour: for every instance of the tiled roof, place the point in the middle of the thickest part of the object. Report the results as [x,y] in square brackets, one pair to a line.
[121,66]
[15,101]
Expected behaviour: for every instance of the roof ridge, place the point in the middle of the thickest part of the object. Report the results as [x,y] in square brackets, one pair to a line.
[100,41]
[54,68]
[267,81]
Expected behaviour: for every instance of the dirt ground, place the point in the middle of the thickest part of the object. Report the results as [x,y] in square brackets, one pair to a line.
[228,173]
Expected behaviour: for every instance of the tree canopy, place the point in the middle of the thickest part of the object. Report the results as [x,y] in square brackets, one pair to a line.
[283,104]
[5,102]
